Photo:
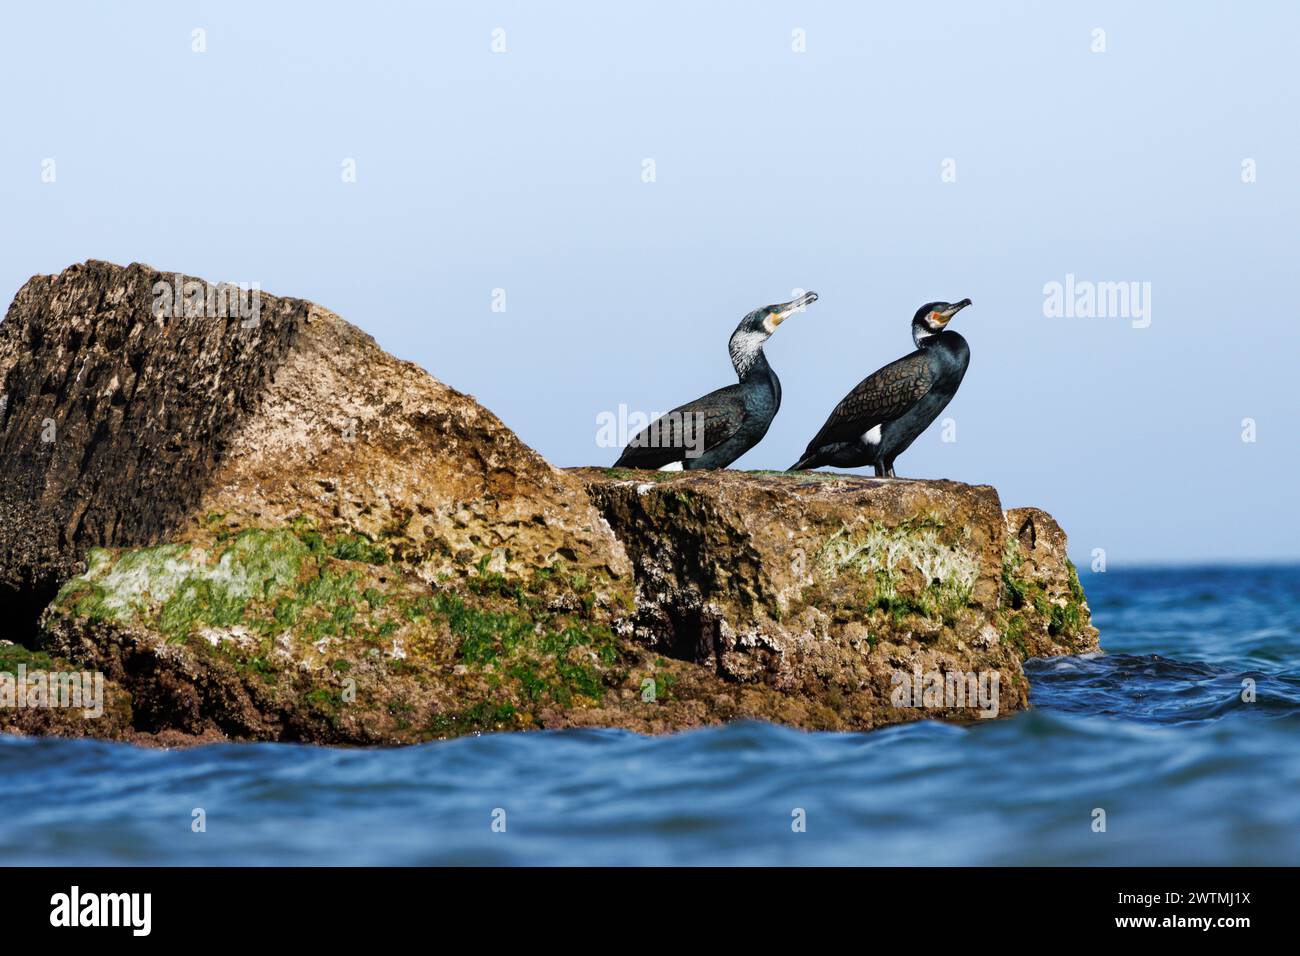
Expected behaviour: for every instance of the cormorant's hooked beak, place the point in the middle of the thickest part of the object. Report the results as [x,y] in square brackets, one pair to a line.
[944,317]
[782,312]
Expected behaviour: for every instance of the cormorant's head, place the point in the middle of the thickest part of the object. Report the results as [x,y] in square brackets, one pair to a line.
[754,329]
[931,318]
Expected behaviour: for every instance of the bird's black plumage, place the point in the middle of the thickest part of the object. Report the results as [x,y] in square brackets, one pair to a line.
[886,411]
[717,428]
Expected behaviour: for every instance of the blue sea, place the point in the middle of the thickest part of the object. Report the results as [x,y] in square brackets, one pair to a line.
[1154,733]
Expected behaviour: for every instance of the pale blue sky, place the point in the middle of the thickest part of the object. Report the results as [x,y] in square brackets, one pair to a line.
[775,170]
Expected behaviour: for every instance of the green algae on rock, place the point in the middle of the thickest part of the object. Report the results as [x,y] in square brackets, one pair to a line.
[289,634]
[281,639]
[1044,610]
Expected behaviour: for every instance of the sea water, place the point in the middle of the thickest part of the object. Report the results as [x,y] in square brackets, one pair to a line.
[1179,745]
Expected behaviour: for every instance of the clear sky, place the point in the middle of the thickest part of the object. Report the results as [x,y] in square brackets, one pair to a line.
[829,169]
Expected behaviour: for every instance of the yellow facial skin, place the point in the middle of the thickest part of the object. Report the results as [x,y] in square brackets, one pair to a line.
[777,316]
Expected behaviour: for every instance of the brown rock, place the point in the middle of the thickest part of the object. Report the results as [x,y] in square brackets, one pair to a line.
[834,586]
[58,698]
[120,427]
[1042,587]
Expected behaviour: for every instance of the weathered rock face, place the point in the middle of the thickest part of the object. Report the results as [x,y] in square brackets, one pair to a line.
[830,585]
[120,427]
[111,422]
[1043,605]
[88,704]
[274,530]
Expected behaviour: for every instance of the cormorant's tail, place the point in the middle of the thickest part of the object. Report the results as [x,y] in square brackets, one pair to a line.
[806,462]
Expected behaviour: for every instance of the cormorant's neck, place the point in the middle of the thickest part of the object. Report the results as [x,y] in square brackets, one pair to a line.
[947,346]
[924,336]
[747,356]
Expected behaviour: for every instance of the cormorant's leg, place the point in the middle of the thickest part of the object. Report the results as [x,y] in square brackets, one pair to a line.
[890,472]
[880,470]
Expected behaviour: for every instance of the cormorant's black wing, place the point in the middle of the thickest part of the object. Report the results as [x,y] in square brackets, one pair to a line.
[879,398]
[668,438]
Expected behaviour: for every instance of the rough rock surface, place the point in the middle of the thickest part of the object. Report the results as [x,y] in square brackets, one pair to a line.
[122,428]
[1044,606]
[828,585]
[275,530]
[105,714]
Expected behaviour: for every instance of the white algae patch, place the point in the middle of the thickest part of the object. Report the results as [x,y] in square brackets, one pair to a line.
[887,554]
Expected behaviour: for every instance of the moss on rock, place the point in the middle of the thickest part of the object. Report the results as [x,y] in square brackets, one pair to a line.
[333,637]
[1044,610]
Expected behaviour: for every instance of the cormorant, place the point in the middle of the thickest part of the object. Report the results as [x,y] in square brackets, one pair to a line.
[883,415]
[715,430]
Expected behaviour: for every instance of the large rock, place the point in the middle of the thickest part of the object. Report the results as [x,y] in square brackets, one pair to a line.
[272,529]
[120,428]
[830,585]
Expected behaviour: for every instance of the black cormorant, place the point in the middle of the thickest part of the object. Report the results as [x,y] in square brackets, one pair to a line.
[713,431]
[884,414]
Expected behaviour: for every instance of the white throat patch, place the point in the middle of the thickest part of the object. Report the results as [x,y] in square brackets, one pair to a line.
[744,348]
[923,334]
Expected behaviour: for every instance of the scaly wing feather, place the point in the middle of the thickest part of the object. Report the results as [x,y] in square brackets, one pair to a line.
[667,439]
[879,398]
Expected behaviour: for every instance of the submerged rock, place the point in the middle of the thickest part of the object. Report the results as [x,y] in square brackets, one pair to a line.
[275,530]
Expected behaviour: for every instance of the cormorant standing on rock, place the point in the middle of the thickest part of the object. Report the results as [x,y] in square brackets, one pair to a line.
[883,415]
[713,431]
